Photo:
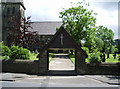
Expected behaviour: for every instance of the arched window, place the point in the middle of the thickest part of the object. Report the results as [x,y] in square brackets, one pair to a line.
[13,10]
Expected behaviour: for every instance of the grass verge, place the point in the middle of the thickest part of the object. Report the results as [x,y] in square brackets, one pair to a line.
[51,55]
[110,59]
[72,58]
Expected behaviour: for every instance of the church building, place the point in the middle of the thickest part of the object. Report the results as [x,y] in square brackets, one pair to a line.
[44,29]
[9,9]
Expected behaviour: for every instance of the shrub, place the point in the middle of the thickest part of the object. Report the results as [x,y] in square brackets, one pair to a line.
[4,50]
[19,53]
[94,57]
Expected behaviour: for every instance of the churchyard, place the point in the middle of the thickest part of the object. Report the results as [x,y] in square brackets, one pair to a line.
[17,57]
[77,47]
[78,54]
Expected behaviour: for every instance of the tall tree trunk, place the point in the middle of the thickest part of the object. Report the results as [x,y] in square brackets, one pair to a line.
[103,59]
[108,55]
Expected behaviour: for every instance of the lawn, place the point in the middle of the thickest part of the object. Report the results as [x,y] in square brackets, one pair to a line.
[72,58]
[111,59]
[51,56]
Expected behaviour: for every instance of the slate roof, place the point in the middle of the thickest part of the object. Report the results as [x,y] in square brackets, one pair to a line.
[45,28]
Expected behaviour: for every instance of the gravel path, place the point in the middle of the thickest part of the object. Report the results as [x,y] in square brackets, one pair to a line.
[61,62]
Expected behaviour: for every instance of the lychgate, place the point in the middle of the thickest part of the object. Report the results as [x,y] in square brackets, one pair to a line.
[62,40]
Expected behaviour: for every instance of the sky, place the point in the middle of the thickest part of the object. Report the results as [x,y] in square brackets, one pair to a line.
[48,10]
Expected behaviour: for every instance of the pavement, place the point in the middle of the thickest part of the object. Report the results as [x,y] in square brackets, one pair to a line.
[24,80]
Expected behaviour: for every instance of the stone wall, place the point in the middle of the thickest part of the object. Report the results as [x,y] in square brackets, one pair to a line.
[20,66]
[33,67]
[103,69]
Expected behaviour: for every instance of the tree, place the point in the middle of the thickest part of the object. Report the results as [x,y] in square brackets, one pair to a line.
[23,37]
[79,21]
[118,45]
[106,35]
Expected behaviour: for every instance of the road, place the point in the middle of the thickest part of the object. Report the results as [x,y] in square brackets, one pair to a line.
[24,80]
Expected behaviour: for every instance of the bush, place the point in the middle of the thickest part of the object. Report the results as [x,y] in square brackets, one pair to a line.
[4,50]
[94,57]
[19,53]
[15,52]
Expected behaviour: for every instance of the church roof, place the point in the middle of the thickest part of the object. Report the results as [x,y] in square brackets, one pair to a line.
[45,28]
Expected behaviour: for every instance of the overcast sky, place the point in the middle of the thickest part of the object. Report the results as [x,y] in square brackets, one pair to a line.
[48,10]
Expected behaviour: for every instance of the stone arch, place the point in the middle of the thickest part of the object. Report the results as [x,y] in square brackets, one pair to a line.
[58,41]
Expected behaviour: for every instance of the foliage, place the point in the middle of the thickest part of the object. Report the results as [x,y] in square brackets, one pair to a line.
[72,58]
[23,38]
[85,49]
[111,59]
[106,35]
[4,50]
[118,46]
[114,49]
[99,43]
[94,57]
[79,21]
[51,55]
[19,53]
[33,56]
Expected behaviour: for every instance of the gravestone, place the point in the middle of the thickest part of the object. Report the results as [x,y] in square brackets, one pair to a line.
[62,40]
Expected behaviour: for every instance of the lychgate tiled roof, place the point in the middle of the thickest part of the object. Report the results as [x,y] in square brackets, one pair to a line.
[45,28]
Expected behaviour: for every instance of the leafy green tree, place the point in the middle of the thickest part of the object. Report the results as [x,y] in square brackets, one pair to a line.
[79,21]
[118,46]
[94,57]
[99,43]
[106,35]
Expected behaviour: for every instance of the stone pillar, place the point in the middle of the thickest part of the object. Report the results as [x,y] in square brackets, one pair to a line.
[80,62]
[43,63]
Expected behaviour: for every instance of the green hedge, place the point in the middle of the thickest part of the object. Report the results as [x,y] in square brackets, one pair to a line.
[4,51]
[15,52]
[19,53]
